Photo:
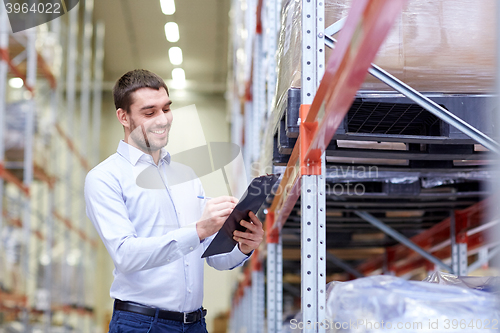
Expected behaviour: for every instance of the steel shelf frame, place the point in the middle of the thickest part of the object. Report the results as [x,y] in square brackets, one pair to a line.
[306,168]
[343,76]
[257,103]
[41,190]
[363,32]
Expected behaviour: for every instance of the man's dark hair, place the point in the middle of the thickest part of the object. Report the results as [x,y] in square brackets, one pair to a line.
[130,82]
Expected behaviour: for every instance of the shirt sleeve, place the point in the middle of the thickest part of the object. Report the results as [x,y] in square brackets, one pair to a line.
[226,261]
[106,209]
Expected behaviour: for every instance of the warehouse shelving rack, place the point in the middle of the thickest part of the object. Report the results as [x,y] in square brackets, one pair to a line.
[44,197]
[453,240]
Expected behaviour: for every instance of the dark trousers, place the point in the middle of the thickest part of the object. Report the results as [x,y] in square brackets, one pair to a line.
[124,322]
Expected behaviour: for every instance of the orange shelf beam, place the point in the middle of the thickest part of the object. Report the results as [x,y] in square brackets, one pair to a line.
[72,147]
[4,55]
[44,67]
[67,222]
[9,177]
[40,173]
[471,217]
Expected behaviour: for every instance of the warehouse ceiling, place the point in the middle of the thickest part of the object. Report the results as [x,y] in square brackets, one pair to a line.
[135,38]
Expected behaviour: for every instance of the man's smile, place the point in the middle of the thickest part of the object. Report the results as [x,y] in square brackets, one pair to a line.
[159,131]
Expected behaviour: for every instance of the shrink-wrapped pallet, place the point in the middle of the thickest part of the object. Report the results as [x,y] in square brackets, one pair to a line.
[443,46]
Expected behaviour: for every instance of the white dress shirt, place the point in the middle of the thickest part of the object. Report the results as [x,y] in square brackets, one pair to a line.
[148,228]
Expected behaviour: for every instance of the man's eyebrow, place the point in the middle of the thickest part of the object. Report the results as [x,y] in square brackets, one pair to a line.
[147,107]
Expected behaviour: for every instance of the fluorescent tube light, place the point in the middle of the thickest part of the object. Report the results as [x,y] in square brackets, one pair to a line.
[178,75]
[172,32]
[167,6]
[178,78]
[175,55]
[16,82]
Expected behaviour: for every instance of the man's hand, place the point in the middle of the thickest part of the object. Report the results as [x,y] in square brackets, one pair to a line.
[215,213]
[252,237]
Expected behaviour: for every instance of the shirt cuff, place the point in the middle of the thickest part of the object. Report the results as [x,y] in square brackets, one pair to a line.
[192,240]
[240,256]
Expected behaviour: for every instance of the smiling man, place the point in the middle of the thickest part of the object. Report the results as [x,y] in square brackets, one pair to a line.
[156,236]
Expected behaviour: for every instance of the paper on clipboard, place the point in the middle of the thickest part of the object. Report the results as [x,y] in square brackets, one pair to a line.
[252,199]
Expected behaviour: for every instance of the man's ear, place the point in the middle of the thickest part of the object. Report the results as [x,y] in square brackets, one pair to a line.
[123,117]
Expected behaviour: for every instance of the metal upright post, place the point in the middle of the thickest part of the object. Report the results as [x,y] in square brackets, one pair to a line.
[31,58]
[97,93]
[96,108]
[274,286]
[249,128]
[238,316]
[84,129]
[258,87]
[258,304]
[274,268]
[248,309]
[241,314]
[54,103]
[271,285]
[313,212]
[273,21]
[494,210]
[70,109]
[4,44]
[458,246]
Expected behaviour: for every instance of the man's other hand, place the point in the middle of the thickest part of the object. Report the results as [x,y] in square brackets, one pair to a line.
[214,215]
[252,237]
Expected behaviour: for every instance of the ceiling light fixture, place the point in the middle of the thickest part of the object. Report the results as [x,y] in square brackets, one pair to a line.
[175,55]
[167,6]
[178,78]
[172,32]
[16,82]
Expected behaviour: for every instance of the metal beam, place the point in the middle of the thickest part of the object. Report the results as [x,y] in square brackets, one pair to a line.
[335,27]
[406,155]
[340,263]
[423,196]
[396,208]
[477,264]
[402,239]
[353,227]
[389,205]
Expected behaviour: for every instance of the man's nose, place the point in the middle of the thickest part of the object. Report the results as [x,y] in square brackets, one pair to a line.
[161,119]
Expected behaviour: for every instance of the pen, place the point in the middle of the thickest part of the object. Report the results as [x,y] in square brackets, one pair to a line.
[202,197]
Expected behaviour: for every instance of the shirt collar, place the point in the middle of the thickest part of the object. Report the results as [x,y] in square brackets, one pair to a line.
[133,154]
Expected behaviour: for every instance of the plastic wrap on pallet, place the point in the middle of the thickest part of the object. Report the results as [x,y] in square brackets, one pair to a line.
[484,283]
[15,118]
[430,180]
[381,301]
[444,46]
[243,17]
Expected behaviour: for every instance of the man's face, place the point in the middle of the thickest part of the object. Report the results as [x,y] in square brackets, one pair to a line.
[150,119]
